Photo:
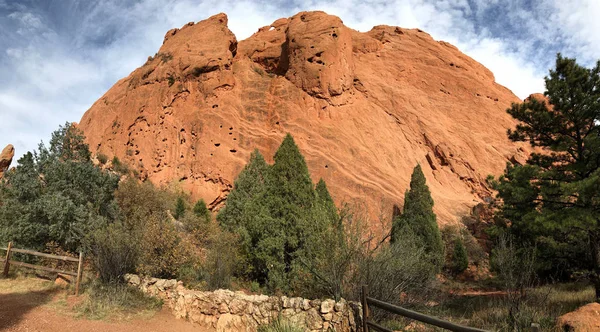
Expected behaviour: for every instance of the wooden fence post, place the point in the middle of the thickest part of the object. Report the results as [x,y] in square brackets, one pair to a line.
[79,272]
[365,308]
[7,261]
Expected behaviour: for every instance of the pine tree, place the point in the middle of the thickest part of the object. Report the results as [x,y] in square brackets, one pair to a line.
[249,185]
[201,211]
[291,200]
[179,208]
[554,200]
[325,202]
[418,217]
[460,259]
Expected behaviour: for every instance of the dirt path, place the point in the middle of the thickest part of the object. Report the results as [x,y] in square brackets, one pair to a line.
[35,308]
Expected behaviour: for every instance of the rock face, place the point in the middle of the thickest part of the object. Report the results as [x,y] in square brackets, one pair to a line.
[364,108]
[224,310]
[6,158]
[586,318]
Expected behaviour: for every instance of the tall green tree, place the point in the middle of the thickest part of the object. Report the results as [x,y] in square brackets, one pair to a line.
[292,202]
[326,204]
[56,194]
[554,200]
[277,214]
[249,185]
[417,215]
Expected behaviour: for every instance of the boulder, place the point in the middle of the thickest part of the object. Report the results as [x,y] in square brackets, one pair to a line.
[584,319]
[6,157]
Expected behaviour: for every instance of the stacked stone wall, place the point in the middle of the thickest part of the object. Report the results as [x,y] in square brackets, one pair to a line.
[225,310]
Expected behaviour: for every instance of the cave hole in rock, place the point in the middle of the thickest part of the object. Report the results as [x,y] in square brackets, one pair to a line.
[221,126]
[235,139]
[182,130]
[233,150]
[277,122]
[326,166]
[230,133]
[215,106]
[334,35]
[217,144]
[319,53]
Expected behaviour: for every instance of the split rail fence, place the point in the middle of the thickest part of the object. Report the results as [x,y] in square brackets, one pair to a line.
[370,325]
[8,262]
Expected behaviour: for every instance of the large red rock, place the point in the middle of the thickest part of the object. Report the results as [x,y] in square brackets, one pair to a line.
[584,319]
[364,108]
[6,157]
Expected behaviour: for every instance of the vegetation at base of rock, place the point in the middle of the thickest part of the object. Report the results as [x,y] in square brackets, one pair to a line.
[418,217]
[553,201]
[277,214]
[179,208]
[56,194]
[460,260]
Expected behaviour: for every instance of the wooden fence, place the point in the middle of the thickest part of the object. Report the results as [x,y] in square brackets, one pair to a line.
[368,325]
[8,262]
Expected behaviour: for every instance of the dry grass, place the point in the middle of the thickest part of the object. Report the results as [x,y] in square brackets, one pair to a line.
[116,302]
[22,284]
[489,311]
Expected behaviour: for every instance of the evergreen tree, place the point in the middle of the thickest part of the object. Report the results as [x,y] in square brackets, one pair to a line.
[201,211]
[56,194]
[325,202]
[291,200]
[554,200]
[460,259]
[418,217]
[179,208]
[248,186]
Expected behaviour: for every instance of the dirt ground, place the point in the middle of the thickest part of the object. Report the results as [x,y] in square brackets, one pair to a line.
[33,305]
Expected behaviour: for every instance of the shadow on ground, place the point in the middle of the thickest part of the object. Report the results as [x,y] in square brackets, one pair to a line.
[13,306]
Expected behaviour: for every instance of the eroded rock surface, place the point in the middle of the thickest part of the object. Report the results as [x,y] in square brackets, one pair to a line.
[364,108]
[6,157]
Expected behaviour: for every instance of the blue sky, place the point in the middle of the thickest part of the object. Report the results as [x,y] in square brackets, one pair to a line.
[58,56]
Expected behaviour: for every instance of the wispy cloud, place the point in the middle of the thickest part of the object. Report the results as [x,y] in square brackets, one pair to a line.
[58,57]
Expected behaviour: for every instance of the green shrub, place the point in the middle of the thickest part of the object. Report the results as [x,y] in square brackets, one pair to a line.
[179,208]
[162,250]
[222,260]
[280,325]
[460,260]
[119,167]
[102,158]
[114,252]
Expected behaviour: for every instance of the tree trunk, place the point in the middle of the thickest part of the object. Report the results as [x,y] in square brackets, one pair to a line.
[595,249]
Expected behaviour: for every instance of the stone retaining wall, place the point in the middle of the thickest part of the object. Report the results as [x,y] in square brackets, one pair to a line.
[225,310]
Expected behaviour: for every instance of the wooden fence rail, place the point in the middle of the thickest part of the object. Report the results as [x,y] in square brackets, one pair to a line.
[8,262]
[367,325]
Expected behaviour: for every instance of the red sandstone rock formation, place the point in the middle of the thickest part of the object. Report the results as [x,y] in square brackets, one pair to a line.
[364,108]
[6,157]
